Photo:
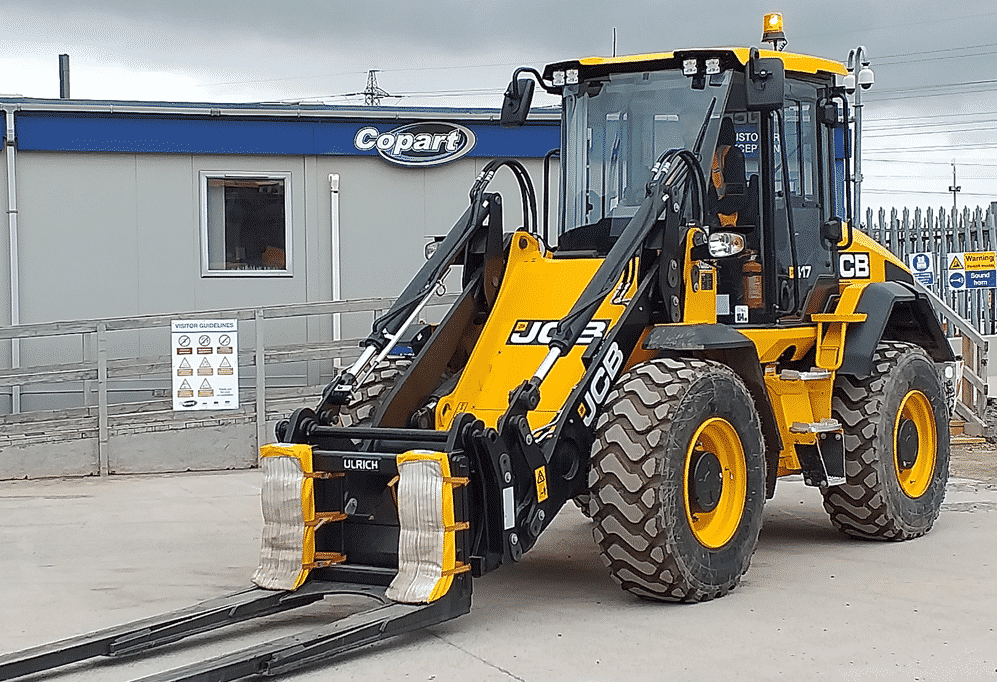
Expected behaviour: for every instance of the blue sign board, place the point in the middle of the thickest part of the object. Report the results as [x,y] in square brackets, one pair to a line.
[981,279]
[296,134]
[923,267]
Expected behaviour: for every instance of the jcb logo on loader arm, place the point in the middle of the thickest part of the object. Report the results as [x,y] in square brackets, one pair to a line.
[539,332]
[602,381]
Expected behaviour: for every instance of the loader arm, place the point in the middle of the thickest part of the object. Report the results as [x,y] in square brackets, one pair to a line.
[455,249]
[652,240]
[672,174]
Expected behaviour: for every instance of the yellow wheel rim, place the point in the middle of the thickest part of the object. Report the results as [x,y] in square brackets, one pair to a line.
[914,480]
[716,527]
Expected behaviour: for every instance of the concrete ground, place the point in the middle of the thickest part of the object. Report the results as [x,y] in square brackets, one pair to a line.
[78,555]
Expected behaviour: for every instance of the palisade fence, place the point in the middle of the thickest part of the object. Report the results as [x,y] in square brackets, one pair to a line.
[968,315]
[943,232]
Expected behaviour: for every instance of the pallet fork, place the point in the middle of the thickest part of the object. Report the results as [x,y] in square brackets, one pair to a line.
[384,620]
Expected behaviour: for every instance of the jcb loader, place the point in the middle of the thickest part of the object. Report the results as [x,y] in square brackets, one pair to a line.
[703,322]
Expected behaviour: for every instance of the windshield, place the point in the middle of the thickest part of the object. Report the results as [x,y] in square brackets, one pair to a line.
[615,129]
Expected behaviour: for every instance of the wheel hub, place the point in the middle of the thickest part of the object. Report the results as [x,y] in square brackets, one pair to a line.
[907,443]
[705,482]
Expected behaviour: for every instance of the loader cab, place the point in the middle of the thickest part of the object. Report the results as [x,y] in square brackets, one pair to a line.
[620,114]
[792,195]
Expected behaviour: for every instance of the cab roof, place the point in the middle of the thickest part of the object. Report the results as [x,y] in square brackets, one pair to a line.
[729,56]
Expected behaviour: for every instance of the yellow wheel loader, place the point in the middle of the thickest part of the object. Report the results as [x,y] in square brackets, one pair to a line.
[705,319]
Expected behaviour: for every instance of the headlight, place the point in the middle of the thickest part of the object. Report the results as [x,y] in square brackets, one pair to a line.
[724,244]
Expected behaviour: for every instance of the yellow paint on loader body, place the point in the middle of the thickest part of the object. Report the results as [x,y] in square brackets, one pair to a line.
[798,63]
[536,292]
[878,257]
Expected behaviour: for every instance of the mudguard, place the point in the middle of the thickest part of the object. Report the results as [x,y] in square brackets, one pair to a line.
[895,312]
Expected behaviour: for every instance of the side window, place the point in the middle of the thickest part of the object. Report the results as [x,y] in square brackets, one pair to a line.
[801,146]
[245,224]
[748,136]
[807,132]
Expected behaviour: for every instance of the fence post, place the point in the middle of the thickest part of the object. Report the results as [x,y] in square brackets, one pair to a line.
[89,355]
[103,436]
[991,231]
[895,244]
[261,380]
[908,238]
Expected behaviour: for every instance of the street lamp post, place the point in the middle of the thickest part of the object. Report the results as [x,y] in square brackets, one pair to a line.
[859,74]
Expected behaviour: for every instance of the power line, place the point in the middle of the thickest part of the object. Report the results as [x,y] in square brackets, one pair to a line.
[932,163]
[876,190]
[907,133]
[946,49]
[936,124]
[490,92]
[357,73]
[936,147]
[865,29]
[934,59]
[917,88]
[925,96]
[918,118]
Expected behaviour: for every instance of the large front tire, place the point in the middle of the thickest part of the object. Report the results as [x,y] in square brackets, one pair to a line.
[372,391]
[677,480]
[896,425]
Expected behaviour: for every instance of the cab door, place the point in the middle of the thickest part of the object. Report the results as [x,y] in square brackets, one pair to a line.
[804,274]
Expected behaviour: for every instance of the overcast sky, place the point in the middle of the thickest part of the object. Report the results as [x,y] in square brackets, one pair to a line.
[933,102]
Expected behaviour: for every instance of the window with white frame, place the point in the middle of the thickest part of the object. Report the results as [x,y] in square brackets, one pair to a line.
[245,224]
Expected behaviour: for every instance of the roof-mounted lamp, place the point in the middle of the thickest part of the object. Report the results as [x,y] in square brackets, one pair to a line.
[772,31]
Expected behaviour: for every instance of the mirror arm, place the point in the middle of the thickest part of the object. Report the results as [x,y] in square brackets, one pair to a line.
[536,74]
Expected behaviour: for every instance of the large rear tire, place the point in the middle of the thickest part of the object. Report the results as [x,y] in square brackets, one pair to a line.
[677,480]
[896,425]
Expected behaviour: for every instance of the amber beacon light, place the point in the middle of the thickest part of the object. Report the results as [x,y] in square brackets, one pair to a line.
[772,31]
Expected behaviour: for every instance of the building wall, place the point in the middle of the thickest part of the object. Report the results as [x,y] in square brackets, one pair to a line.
[118,234]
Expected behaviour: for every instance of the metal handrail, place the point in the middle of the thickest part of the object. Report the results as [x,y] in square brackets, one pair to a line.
[96,369]
[67,327]
[964,327]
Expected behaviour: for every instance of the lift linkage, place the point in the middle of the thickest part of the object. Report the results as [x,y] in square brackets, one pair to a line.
[384,620]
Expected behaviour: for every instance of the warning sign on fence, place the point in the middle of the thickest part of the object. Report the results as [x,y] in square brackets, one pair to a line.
[215,341]
[972,270]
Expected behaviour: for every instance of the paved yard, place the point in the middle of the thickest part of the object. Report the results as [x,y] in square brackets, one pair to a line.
[84,554]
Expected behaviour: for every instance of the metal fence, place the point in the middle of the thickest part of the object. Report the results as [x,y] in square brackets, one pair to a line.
[940,233]
[146,436]
[967,314]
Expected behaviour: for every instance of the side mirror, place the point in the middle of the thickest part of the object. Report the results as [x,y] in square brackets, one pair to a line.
[827,114]
[516,103]
[765,82]
[832,231]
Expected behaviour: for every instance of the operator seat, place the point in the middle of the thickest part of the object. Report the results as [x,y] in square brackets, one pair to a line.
[727,195]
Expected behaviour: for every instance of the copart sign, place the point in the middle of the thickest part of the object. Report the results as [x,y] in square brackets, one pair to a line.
[429,143]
